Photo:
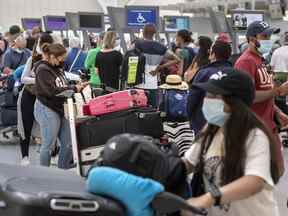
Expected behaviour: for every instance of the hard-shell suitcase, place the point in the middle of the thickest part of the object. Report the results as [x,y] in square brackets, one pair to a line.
[38,191]
[8,116]
[116,101]
[94,132]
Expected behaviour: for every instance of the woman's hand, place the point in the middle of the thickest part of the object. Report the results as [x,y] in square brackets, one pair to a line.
[205,201]
[81,86]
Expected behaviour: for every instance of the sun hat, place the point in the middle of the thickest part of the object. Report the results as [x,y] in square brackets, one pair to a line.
[175,82]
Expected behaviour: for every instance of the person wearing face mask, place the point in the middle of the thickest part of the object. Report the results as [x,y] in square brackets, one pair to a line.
[234,154]
[108,61]
[16,55]
[27,97]
[49,107]
[219,58]
[75,60]
[252,61]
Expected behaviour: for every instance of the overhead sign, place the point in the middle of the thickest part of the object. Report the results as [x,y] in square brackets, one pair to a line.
[55,23]
[138,16]
[30,23]
[241,19]
[175,23]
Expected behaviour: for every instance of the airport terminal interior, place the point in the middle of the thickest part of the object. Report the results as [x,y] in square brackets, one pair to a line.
[143,107]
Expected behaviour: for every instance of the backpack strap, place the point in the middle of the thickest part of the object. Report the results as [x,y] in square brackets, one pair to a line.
[74,61]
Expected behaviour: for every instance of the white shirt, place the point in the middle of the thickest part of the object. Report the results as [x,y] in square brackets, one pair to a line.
[151,82]
[279,60]
[257,164]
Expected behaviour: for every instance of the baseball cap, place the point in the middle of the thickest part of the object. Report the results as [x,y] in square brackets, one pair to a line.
[224,37]
[230,82]
[260,27]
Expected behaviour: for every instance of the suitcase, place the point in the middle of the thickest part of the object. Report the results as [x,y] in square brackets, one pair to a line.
[35,191]
[8,116]
[94,132]
[116,101]
[7,99]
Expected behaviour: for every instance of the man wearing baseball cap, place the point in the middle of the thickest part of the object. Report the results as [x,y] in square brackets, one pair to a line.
[252,61]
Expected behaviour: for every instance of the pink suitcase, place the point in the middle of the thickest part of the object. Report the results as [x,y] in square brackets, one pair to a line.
[114,102]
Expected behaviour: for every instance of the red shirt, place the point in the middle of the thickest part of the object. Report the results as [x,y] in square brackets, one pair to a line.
[254,65]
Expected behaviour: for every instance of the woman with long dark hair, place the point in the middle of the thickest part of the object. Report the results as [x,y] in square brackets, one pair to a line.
[235,153]
[201,59]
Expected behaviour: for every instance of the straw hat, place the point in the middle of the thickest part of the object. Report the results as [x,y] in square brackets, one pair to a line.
[174,82]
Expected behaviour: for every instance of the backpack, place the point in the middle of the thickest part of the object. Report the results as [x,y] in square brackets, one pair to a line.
[175,104]
[188,61]
[143,156]
[133,68]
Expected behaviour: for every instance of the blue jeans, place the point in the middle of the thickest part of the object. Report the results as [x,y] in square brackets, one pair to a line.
[53,126]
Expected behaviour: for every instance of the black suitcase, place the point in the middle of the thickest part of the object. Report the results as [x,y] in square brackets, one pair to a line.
[38,191]
[8,99]
[94,132]
[8,116]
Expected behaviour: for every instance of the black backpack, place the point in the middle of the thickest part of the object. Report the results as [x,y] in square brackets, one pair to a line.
[133,68]
[144,156]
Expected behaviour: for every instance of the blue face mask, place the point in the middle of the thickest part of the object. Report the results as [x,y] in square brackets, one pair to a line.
[213,110]
[265,46]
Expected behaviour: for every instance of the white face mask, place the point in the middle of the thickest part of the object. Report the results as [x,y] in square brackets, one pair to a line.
[19,50]
[213,110]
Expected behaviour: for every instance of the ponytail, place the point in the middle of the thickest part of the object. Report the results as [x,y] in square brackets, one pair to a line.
[53,49]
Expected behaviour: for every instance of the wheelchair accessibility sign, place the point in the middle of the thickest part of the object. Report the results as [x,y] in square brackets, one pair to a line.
[138,18]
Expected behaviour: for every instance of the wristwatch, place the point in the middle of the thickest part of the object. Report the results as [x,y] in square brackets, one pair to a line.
[216,194]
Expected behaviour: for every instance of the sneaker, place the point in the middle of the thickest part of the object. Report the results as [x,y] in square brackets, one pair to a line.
[25,161]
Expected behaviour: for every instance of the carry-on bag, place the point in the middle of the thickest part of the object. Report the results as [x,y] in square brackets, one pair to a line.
[117,101]
[35,191]
[8,116]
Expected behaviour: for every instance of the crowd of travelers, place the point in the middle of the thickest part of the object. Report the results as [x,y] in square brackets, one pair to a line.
[234,111]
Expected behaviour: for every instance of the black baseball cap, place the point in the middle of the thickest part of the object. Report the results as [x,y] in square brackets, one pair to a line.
[260,27]
[230,82]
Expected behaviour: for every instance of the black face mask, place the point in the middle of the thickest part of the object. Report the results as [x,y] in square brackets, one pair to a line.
[61,65]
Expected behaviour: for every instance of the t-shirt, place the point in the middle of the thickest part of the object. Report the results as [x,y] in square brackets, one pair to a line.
[279,60]
[14,59]
[257,164]
[254,65]
[154,53]
[108,64]
[90,65]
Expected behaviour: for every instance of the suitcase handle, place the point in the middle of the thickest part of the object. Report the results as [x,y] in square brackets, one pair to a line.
[109,102]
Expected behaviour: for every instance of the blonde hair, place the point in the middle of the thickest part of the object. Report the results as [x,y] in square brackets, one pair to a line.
[109,40]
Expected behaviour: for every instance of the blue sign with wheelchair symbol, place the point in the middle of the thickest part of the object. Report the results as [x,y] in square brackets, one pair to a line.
[139,17]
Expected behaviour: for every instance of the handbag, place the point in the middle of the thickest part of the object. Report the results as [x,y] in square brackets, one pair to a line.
[199,179]
[31,88]
[197,183]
